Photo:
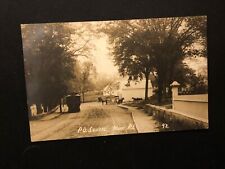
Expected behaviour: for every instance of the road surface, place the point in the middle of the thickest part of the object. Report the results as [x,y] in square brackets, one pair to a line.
[94,119]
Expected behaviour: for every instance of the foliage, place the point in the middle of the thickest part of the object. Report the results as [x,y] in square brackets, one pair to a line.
[50,52]
[155,45]
[87,72]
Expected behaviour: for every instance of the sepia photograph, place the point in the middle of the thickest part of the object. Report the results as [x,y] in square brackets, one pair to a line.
[116,77]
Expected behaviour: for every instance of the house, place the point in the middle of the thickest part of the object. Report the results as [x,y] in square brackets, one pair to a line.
[112,89]
[135,89]
[123,89]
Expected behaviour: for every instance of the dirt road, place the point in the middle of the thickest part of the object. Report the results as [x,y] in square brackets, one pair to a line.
[94,119]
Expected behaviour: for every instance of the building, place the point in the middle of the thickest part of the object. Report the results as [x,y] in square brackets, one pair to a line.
[135,89]
[123,89]
[112,89]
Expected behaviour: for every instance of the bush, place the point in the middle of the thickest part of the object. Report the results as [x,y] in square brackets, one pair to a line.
[154,100]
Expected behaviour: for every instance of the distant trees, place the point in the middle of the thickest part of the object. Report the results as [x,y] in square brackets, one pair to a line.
[50,53]
[86,83]
[102,81]
[140,48]
[156,46]
[189,80]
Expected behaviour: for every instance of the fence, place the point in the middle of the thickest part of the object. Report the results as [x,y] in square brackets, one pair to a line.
[33,110]
[190,105]
[188,111]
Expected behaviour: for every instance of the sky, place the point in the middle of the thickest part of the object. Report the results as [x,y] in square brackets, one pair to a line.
[102,58]
[99,53]
[199,64]
[104,61]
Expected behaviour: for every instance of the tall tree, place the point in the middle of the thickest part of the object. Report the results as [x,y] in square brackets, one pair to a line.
[194,83]
[178,38]
[155,45]
[129,54]
[50,51]
[87,71]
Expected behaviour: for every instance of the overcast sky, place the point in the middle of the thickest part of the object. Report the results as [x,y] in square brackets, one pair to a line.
[104,61]
[102,58]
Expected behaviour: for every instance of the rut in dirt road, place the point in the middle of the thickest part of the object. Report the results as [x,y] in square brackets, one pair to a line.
[94,119]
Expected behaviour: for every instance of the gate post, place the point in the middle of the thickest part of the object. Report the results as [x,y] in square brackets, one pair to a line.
[174,86]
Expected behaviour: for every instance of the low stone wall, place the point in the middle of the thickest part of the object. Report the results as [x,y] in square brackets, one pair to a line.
[175,119]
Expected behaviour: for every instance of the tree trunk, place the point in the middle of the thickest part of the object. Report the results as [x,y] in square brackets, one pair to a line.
[170,92]
[83,96]
[39,108]
[60,106]
[160,94]
[29,111]
[160,88]
[51,106]
[164,91]
[146,86]
[45,108]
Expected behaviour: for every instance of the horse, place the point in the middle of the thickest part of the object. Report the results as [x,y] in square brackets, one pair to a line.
[136,99]
[103,99]
[120,100]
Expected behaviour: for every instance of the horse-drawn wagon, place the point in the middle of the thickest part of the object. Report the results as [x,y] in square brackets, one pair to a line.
[73,102]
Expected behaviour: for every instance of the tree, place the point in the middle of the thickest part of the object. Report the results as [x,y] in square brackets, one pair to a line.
[155,45]
[194,84]
[102,81]
[178,38]
[87,70]
[50,52]
[129,53]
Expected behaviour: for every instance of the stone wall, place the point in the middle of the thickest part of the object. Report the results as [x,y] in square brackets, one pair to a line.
[176,119]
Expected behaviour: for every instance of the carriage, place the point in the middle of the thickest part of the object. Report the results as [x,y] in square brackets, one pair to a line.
[73,102]
[105,99]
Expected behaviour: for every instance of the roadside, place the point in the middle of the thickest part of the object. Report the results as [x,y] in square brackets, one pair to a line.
[93,120]
[143,122]
[45,114]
